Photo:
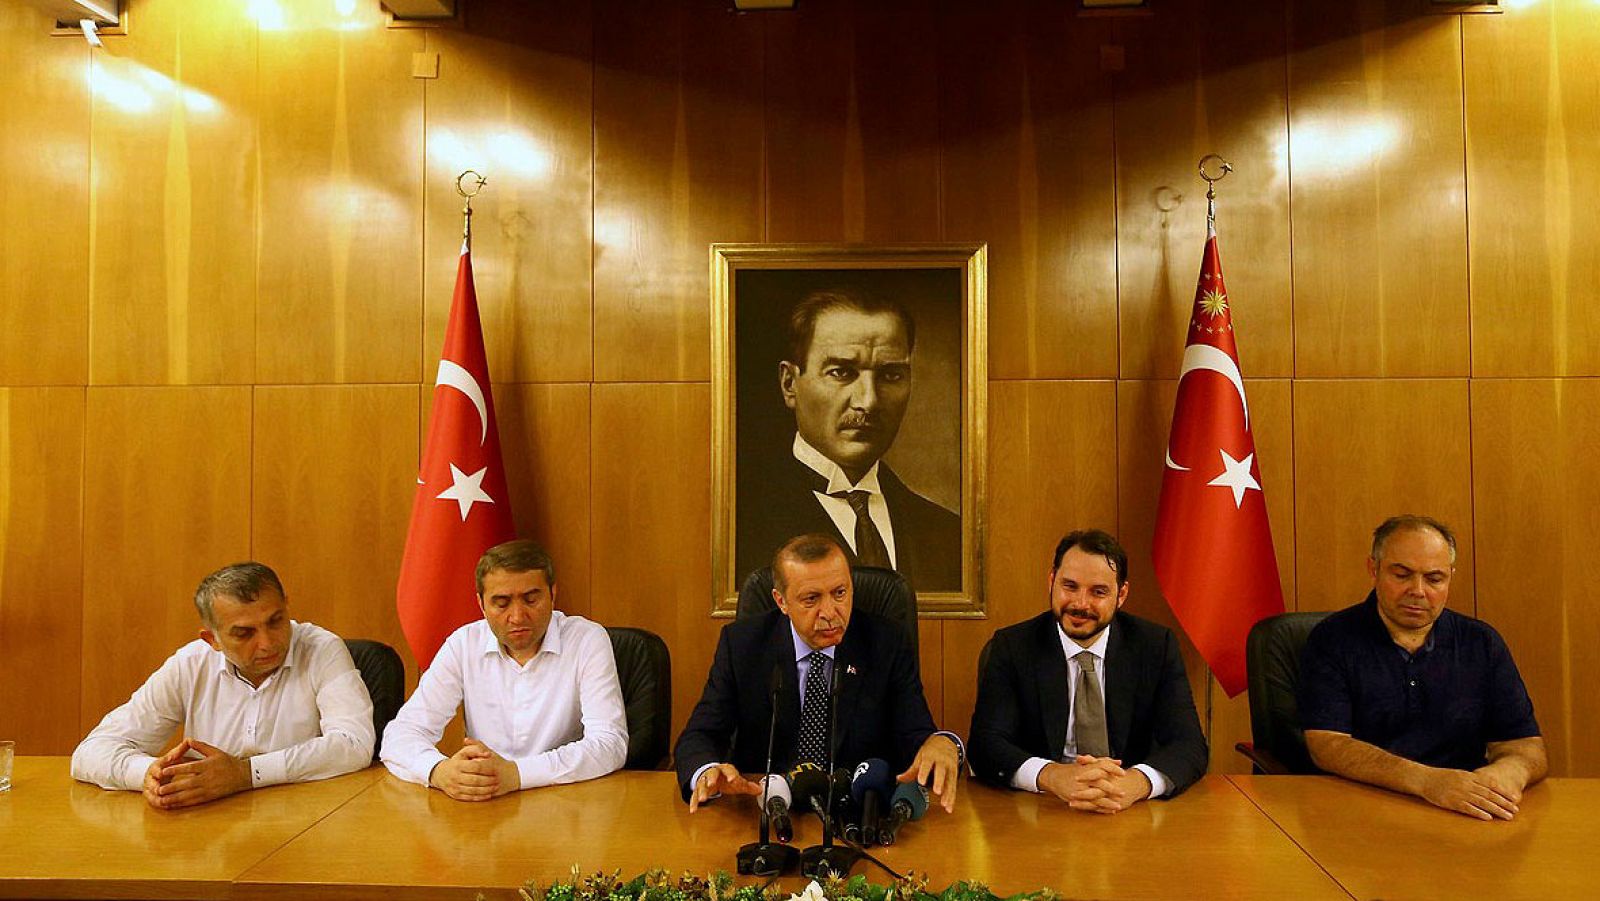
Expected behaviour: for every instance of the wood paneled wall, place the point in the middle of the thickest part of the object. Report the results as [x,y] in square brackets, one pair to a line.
[227,243]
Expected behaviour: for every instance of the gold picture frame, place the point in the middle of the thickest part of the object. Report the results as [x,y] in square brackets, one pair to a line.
[942,289]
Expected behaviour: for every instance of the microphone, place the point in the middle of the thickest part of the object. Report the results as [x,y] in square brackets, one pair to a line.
[872,784]
[762,857]
[775,789]
[809,785]
[827,859]
[910,802]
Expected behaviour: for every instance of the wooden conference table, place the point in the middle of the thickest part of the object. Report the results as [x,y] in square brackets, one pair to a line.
[369,835]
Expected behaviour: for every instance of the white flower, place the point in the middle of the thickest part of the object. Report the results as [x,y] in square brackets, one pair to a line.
[812,892]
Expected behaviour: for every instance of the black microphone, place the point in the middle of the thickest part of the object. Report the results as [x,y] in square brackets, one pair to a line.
[872,784]
[828,859]
[809,786]
[762,857]
[910,802]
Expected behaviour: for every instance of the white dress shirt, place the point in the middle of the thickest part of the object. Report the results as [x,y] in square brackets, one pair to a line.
[559,717]
[837,508]
[311,719]
[1027,776]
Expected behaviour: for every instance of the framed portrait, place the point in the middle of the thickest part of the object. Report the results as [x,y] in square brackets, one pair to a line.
[850,398]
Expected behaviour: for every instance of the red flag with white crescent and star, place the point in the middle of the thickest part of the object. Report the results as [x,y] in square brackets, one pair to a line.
[1213,545]
[461,507]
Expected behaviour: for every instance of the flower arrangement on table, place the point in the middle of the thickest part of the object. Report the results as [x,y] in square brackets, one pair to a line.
[659,885]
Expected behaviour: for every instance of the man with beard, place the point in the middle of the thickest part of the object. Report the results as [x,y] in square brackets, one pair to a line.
[1084,701]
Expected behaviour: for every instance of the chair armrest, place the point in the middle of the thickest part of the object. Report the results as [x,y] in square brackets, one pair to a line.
[1264,762]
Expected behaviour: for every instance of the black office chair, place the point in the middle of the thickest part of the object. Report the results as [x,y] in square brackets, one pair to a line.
[1272,663]
[877,590]
[644,667]
[385,675]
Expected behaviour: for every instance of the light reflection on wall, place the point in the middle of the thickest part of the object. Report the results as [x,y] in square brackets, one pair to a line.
[136,88]
[507,150]
[283,15]
[1322,149]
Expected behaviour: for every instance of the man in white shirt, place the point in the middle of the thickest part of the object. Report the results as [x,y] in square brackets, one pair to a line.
[540,690]
[261,700]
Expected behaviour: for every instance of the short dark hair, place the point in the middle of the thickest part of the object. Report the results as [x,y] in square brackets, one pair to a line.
[1095,541]
[243,582]
[803,318]
[807,548]
[520,556]
[1410,522]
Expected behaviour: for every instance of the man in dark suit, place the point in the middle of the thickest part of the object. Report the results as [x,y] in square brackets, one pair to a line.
[847,377]
[881,709]
[1084,701]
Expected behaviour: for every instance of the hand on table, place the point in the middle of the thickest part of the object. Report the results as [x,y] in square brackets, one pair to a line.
[475,773]
[1483,793]
[1095,784]
[938,757]
[721,779]
[184,783]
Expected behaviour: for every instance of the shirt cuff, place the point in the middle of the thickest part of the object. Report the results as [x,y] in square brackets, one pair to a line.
[269,769]
[695,780]
[1159,785]
[1026,777]
[133,770]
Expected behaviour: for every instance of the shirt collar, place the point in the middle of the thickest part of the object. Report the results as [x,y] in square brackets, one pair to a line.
[1381,631]
[803,650]
[225,667]
[837,480]
[1097,648]
[551,643]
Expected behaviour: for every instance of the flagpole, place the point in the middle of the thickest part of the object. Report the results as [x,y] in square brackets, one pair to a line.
[1222,167]
[466,212]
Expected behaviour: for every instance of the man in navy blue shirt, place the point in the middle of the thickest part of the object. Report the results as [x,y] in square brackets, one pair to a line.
[1401,693]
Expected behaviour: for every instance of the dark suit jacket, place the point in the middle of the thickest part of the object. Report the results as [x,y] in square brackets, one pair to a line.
[1022,701]
[882,712]
[778,505]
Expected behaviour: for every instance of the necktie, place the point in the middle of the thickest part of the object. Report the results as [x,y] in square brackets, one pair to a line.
[870,549]
[1089,710]
[813,743]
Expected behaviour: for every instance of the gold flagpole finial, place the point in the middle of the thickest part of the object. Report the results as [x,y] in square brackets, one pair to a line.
[478,181]
[1209,163]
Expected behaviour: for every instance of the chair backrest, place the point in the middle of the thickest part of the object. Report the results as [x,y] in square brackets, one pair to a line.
[1272,661]
[880,591]
[644,667]
[385,676]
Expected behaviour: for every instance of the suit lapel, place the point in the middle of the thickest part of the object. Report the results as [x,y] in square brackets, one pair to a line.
[1120,682]
[1052,674]
[780,651]
[848,661]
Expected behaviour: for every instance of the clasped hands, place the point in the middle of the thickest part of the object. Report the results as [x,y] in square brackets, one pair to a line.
[173,782]
[937,760]
[475,773]
[1095,784]
[1485,793]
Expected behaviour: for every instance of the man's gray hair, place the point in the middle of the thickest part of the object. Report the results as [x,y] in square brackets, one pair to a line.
[802,549]
[1410,522]
[803,318]
[243,582]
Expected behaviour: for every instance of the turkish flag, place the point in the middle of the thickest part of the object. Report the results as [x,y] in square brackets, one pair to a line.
[1213,546]
[461,507]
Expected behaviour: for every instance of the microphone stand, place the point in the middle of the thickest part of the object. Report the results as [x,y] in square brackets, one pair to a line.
[762,857]
[828,859]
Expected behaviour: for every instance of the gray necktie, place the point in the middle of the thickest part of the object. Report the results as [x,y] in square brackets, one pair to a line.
[870,549]
[1089,710]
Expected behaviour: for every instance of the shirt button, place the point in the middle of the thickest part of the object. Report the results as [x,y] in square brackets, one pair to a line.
[1412,683]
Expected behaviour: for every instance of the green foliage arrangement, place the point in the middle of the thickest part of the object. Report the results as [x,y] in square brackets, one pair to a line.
[660,885]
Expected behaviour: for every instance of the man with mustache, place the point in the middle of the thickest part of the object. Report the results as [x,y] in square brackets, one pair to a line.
[1401,693]
[847,376]
[261,700]
[1085,701]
